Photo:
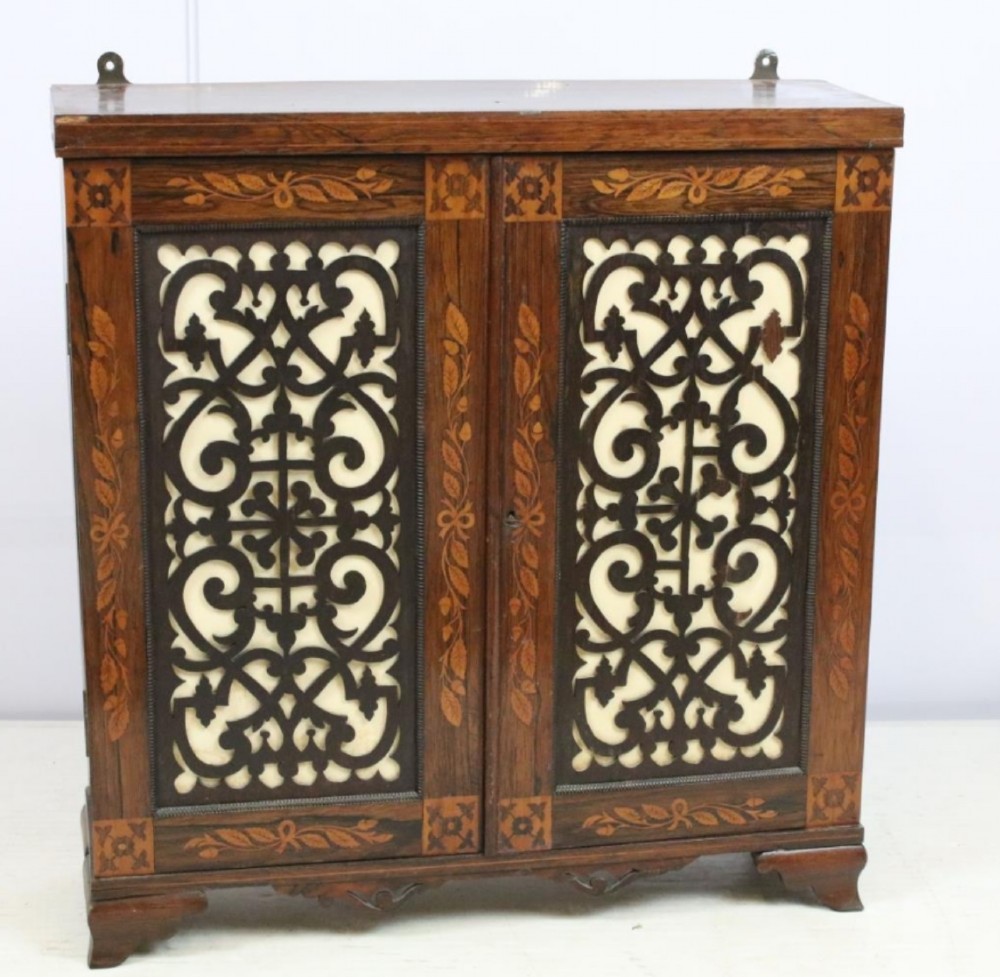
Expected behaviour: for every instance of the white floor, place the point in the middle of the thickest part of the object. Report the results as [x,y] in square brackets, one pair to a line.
[932,891]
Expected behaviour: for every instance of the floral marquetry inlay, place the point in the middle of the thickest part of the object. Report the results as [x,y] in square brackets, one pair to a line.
[98,195]
[686,465]
[834,798]
[680,815]
[456,518]
[864,181]
[451,825]
[109,528]
[849,501]
[532,189]
[456,188]
[283,190]
[529,516]
[283,468]
[695,184]
[525,824]
[122,847]
[287,836]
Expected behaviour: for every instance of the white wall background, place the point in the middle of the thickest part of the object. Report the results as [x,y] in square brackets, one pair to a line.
[935,639]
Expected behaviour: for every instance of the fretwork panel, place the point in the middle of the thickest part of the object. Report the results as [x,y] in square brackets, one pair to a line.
[282,465]
[686,462]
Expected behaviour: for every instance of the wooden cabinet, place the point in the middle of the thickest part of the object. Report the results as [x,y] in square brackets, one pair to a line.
[472,479]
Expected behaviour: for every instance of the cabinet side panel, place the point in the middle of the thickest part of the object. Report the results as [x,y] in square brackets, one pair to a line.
[455,419]
[850,461]
[101,308]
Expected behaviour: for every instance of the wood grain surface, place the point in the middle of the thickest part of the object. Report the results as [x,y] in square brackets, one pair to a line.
[491,172]
[101,310]
[855,343]
[466,117]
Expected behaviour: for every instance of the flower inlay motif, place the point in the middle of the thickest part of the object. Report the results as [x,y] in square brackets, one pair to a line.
[696,184]
[284,191]
[455,189]
[532,189]
[849,500]
[525,824]
[286,836]
[456,518]
[122,847]
[98,195]
[109,529]
[529,512]
[679,816]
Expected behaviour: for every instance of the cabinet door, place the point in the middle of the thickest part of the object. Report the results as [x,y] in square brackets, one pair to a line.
[665,334]
[280,450]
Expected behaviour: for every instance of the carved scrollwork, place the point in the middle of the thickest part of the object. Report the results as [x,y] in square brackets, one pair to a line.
[383,899]
[378,897]
[602,882]
[686,472]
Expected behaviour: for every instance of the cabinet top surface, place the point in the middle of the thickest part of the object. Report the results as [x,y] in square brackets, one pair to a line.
[449,116]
